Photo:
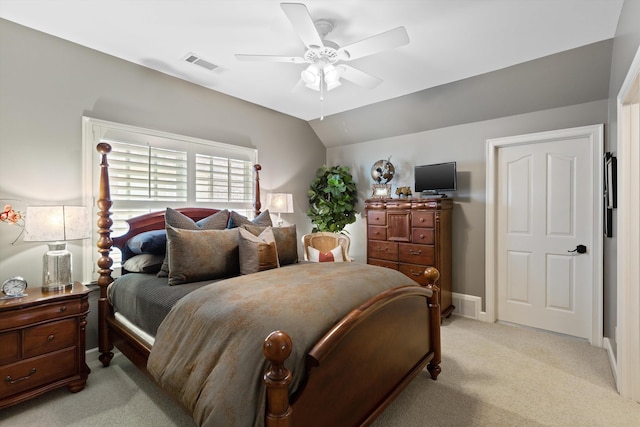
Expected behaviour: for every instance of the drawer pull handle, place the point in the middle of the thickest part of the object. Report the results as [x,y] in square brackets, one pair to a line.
[382,249]
[413,273]
[50,337]
[63,309]
[10,380]
[418,252]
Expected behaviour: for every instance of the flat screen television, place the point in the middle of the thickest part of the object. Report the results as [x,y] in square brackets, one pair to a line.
[435,178]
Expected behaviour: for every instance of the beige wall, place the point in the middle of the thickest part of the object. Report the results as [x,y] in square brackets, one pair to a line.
[48,84]
[464,144]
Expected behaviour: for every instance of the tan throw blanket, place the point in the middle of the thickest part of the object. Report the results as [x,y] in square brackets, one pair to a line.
[208,351]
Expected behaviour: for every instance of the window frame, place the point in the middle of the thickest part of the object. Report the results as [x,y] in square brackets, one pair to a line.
[94,130]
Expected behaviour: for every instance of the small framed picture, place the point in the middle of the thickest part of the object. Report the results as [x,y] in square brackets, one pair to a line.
[381,191]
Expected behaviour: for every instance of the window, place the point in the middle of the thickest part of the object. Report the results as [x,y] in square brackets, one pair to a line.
[150,170]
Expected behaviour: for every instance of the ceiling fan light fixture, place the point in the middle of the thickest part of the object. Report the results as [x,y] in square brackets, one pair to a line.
[331,74]
[310,75]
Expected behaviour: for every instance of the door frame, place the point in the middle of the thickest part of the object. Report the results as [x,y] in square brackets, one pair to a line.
[628,247]
[595,135]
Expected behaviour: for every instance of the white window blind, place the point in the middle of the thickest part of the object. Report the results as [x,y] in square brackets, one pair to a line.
[151,170]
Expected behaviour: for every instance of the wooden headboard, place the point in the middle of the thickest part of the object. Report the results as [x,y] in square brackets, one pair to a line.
[139,224]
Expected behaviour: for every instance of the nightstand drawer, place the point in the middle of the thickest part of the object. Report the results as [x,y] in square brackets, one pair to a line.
[29,315]
[49,337]
[383,250]
[9,347]
[37,371]
[416,254]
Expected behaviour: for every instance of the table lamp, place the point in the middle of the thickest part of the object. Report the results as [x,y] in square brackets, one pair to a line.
[280,203]
[55,225]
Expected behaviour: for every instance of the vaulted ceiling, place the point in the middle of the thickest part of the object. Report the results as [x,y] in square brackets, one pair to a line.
[448,41]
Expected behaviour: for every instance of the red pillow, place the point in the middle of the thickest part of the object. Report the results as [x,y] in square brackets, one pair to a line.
[334,255]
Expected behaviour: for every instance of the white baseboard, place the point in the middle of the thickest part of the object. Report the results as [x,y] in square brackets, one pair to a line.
[467,305]
[606,343]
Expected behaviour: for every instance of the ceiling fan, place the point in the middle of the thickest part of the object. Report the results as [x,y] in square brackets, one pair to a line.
[324,72]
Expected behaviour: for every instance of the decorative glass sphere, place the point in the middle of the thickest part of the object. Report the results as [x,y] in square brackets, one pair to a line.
[382,171]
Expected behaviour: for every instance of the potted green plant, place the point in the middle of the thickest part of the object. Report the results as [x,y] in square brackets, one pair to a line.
[332,198]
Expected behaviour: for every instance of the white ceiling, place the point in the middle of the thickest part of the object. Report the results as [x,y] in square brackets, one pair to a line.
[449,40]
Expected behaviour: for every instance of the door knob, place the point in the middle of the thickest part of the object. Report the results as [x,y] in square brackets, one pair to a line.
[581,249]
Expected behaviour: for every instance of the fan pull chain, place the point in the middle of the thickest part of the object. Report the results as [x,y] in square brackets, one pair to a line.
[321,94]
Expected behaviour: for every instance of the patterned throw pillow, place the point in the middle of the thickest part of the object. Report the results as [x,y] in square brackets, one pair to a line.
[201,254]
[257,253]
[334,255]
[286,241]
[175,219]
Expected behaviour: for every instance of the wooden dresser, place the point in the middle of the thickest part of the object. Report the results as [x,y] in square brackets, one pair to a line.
[410,235]
[42,343]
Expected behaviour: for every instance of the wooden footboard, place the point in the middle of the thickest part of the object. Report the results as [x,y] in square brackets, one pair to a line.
[362,363]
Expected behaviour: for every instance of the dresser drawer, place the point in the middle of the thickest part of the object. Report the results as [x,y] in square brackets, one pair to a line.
[383,250]
[37,371]
[376,232]
[376,218]
[416,254]
[416,272]
[49,337]
[29,315]
[9,347]
[423,236]
[422,219]
[382,263]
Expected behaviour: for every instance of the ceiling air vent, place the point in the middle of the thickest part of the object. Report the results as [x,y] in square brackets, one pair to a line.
[196,60]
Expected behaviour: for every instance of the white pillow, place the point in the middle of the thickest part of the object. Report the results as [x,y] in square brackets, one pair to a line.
[334,255]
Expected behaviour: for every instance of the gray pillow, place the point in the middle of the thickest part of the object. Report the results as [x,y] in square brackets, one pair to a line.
[201,254]
[173,218]
[144,263]
[236,220]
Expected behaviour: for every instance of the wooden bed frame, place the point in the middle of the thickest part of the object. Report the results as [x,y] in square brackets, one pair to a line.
[376,350]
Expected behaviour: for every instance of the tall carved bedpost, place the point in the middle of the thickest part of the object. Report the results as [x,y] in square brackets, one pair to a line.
[256,203]
[277,347]
[104,262]
[432,275]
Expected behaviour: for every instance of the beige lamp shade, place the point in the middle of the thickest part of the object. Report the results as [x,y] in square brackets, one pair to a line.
[56,223]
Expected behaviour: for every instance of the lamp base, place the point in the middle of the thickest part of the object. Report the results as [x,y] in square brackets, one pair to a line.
[56,268]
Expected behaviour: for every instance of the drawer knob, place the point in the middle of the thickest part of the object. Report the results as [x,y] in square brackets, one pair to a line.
[412,252]
[421,219]
[422,236]
[63,309]
[50,337]
[10,380]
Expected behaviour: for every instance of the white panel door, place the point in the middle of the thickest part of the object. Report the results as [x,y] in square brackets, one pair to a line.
[545,210]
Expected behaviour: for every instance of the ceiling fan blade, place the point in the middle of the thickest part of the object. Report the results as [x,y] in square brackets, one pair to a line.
[383,41]
[270,58]
[358,77]
[302,23]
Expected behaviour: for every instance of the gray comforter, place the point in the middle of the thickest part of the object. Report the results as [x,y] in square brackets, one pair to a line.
[208,350]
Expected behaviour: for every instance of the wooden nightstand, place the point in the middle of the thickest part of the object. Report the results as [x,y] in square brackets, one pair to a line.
[42,343]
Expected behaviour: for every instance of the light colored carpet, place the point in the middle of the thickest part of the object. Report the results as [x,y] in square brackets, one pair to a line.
[492,374]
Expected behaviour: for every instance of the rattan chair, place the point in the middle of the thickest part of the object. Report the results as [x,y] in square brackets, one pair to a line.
[325,242]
